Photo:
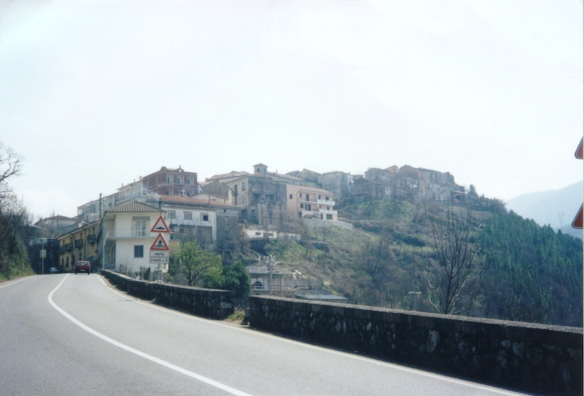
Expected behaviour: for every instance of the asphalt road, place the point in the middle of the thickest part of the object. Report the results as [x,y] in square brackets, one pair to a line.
[73,334]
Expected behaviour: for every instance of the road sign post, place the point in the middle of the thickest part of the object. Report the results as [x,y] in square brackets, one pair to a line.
[159,250]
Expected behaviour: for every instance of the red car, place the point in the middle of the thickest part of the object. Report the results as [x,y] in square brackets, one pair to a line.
[83,266]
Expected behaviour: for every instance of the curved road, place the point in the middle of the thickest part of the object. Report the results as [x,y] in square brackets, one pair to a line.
[73,334]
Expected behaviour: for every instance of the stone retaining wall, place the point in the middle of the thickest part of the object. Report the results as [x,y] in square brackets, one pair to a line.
[216,304]
[521,356]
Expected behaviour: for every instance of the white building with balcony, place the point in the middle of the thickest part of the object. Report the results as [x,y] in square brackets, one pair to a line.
[310,203]
[125,238]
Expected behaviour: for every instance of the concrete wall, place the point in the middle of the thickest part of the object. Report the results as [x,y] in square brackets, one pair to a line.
[215,304]
[522,356]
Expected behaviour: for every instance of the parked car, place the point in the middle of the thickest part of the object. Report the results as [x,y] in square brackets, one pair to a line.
[83,266]
[54,270]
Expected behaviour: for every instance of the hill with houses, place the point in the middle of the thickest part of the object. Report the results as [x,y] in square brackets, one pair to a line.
[331,236]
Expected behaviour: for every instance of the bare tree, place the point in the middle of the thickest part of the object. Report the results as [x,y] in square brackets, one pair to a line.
[455,273]
[10,165]
[13,215]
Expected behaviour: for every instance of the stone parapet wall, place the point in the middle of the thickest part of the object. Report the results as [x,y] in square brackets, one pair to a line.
[522,356]
[216,304]
[205,302]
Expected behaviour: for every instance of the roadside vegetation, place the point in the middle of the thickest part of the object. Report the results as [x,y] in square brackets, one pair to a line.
[482,262]
[192,265]
[15,221]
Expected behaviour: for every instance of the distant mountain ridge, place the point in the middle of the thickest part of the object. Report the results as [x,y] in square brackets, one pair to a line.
[555,207]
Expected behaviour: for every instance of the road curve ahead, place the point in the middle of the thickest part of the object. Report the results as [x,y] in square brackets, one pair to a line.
[66,334]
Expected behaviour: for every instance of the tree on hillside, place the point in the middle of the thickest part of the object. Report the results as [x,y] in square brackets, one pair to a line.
[236,278]
[454,274]
[14,218]
[196,264]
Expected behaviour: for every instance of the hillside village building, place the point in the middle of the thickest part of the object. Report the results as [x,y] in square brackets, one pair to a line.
[166,181]
[310,203]
[125,236]
[210,220]
[79,244]
[263,196]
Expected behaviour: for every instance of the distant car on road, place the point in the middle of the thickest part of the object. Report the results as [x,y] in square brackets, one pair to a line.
[54,270]
[83,266]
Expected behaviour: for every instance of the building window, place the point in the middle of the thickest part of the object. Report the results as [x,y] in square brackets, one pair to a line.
[171,214]
[243,186]
[189,181]
[326,198]
[140,226]
[302,206]
[307,207]
[290,196]
[188,215]
[138,251]
[300,215]
[169,179]
[307,197]
[319,197]
[329,216]
[204,217]
[178,180]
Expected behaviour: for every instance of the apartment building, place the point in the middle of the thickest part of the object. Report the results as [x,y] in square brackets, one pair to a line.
[310,203]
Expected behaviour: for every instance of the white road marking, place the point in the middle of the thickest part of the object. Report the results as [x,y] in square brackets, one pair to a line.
[10,284]
[344,354]
[99,277]
[140,353]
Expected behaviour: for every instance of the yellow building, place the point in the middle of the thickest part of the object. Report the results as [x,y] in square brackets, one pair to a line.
[79,245]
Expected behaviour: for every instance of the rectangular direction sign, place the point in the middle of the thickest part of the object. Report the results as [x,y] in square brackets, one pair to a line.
[159,254]
[155,260]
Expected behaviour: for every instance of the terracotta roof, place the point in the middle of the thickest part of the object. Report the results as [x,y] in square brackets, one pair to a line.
[134,206]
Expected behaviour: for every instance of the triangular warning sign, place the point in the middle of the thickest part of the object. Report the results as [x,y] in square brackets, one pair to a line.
[160,226]
[578,153]
[159,243]
[577,223]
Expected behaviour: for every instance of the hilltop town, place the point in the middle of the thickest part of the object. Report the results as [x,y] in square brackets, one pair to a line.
[257,204]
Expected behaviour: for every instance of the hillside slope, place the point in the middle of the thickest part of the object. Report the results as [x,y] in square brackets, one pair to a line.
[383,261]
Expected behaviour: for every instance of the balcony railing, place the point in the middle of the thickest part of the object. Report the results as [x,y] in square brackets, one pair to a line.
[78,243]
[91,238]
[118,234]
[325,202]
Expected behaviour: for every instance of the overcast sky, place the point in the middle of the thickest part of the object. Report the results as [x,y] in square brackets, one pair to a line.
[94,94]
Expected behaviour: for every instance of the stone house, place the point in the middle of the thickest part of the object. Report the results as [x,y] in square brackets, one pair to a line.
[338,183]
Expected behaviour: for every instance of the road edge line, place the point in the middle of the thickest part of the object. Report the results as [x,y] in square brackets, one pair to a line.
[140,353]
[370,360]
